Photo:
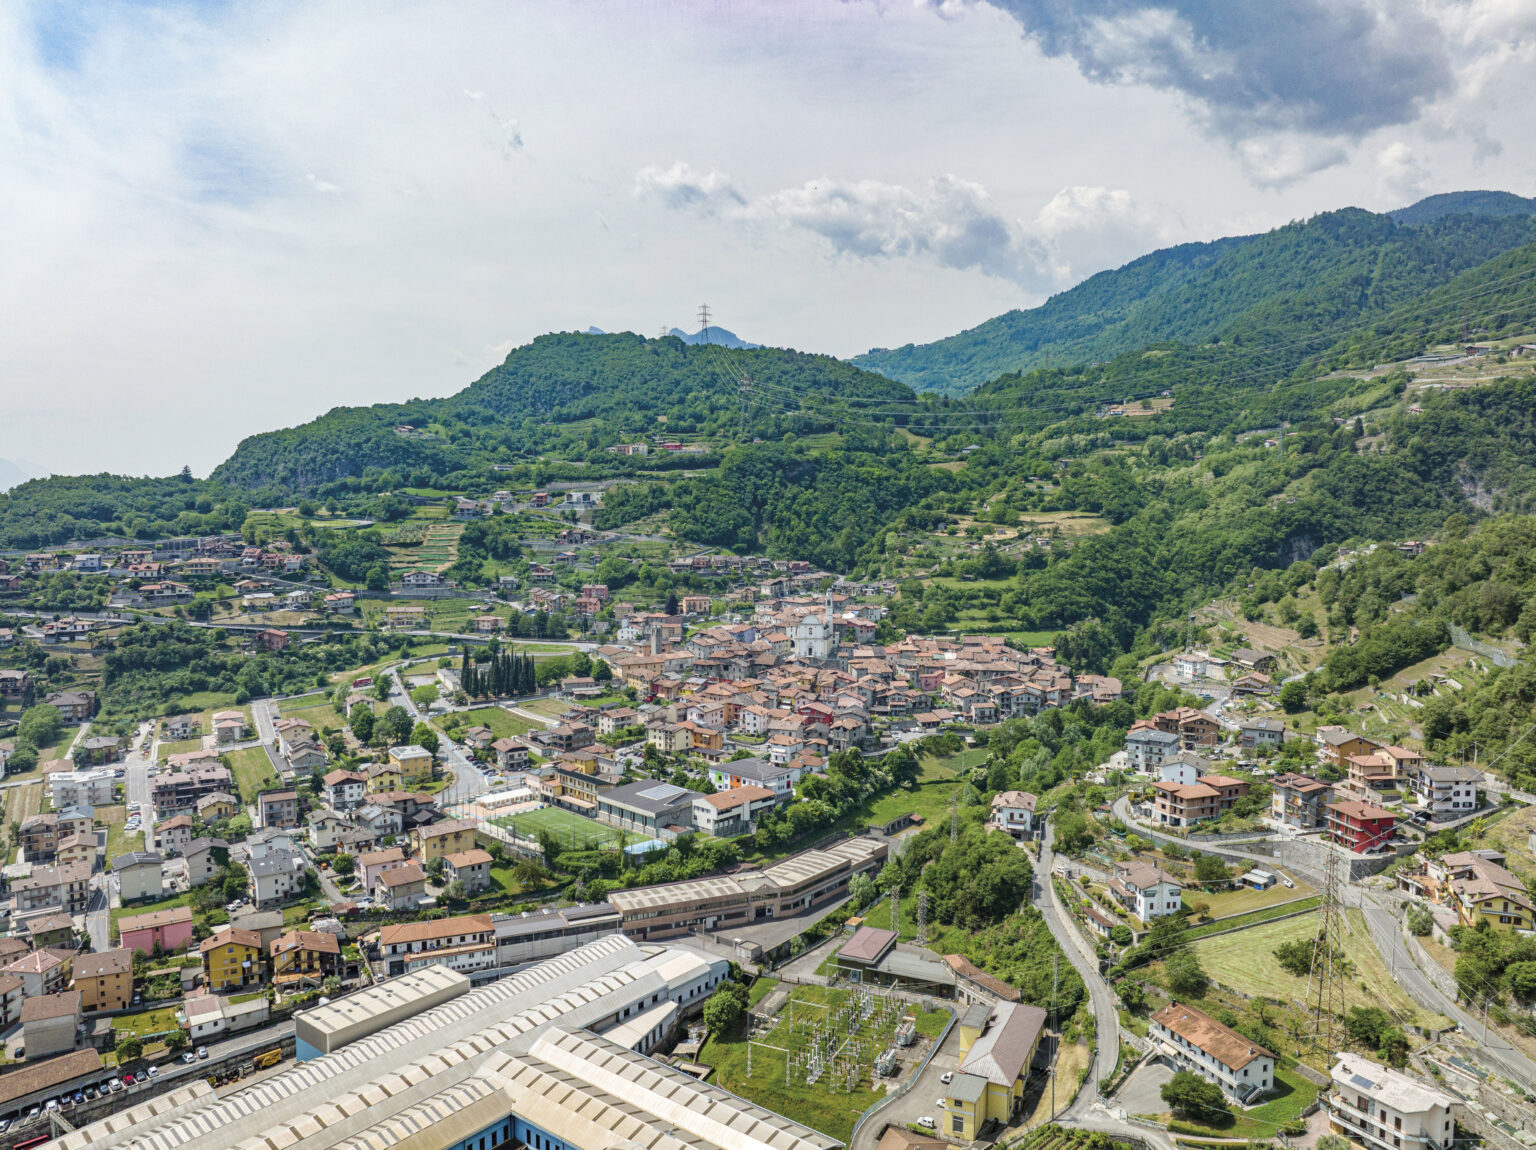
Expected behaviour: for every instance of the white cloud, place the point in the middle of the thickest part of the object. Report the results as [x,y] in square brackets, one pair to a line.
[681,187]
[1400,175]
[951,222]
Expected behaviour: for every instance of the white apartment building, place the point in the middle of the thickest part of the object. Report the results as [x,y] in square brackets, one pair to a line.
[1451,790]
[1147,747]
[80,789]
[1385,1109]
[1195,1041]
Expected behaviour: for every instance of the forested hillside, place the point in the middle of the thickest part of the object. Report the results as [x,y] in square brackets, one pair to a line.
[1334,269]
[562,395]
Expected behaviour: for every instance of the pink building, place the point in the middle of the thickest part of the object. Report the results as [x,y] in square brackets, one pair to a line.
[171,929]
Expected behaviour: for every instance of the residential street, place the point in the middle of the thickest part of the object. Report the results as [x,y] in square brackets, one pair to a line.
[468,782]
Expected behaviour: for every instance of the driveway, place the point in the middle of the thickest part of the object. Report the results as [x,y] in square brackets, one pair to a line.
[1142,1092]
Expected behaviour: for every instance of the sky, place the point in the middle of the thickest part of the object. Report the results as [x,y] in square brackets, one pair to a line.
[221,219]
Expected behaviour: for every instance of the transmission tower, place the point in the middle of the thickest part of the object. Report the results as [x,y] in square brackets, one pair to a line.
[922,918]
[1325,985]
[704,323]
[896,908]
[954,818]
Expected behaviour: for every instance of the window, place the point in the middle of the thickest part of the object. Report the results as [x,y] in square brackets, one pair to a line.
[957,1123]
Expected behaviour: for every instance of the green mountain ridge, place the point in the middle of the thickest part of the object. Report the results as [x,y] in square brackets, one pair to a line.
[1197,292]
[632,386]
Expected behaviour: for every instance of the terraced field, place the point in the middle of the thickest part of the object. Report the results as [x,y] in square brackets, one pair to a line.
[436,552]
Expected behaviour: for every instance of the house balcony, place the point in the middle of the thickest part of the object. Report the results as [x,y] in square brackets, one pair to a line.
[1372,1131]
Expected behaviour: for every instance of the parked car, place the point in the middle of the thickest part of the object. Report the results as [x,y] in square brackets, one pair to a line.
[115,1085]
[202,1052]
[189,1058]
[154,1072]
[927,1123]
[79,1097]
[947,1077]
[128,1080]
[5,1124]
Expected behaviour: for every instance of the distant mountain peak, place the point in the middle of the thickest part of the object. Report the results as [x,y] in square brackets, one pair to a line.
[718,336]
[1474,203]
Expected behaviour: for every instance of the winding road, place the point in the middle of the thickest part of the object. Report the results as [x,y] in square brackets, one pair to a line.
[1105,1008]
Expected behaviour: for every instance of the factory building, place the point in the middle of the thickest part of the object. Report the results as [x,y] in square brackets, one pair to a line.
[546,1058]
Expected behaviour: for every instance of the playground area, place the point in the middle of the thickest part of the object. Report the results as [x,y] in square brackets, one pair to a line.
[825,1054]
[571,831]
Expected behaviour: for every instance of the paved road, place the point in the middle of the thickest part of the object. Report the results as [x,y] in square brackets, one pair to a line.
[1105,1012]
[468,781]
[1386,932]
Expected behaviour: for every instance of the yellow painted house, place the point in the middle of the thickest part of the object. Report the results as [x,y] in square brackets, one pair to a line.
[231,958]
[443,839]
[997,1047]
[1501,907]
[383,777]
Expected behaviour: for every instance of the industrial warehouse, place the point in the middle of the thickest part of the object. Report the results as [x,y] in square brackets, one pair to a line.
[551,1058]
[789,887]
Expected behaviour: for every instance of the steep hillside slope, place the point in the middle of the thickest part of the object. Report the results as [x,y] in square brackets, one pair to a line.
[1358,260]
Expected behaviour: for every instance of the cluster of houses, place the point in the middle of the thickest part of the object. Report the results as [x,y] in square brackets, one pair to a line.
[793,685]
[151,575]
[1471,887]
[1349,811]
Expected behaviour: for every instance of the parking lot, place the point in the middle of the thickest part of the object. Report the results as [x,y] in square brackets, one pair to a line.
[1142,1092]
[922,1100]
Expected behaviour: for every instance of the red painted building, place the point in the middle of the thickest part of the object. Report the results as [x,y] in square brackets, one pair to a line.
[1360,826]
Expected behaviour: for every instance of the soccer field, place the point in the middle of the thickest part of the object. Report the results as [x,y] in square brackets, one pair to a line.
[571,830]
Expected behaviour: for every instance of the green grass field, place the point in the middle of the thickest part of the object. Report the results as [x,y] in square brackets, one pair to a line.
[319,715]
[121,912]
[1245,961]
[572,831]
[502,724]
[1230,902]
[1292,1095]
[252,770]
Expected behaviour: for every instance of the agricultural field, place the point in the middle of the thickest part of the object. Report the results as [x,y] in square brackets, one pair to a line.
[319,715]
[571,830]
[841,1032]
[438,549]
[1230,902]
[1511,835]
[22,802]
